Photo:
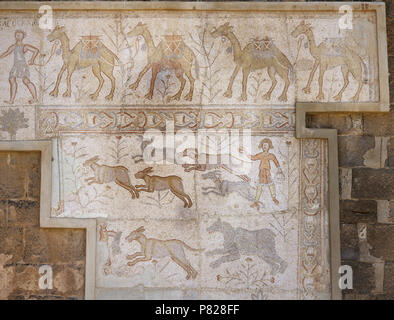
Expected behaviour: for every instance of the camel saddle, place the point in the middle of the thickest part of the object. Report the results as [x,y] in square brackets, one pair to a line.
[90,47]
[173,46]
[262,48]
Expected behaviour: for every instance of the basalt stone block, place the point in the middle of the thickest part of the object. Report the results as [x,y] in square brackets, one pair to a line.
[373,183]
[345,123]
[363,277]
[349,242]
[390,153]
[380,124]
[358,211]
[352,148]
[388,282]
[381,238]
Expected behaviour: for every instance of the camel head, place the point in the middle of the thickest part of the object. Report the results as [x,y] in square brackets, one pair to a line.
[141,174]
[302,28]
[223,30]
[134,235]
[139,29]
[56,33]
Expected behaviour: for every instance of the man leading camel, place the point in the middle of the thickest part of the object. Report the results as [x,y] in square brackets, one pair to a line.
[20,68]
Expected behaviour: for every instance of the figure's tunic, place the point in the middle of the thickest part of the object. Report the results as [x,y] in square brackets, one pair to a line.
[20,68]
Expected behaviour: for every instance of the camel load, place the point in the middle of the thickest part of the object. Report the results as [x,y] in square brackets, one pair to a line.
[90,47]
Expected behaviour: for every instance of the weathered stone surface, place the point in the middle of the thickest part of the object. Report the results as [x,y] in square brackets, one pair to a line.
[381,238]
[69,280]
[379,124]
[345,183]
[23,212]
[349,242]
[385,211]
[389,278]
[351,150]
[11,240]
[345,123]
[24,246]
[390,153]
[372,183]
[363,277]
[54,245]
[358,211]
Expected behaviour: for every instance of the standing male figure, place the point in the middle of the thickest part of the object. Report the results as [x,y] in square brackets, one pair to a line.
[20,68]
[265,179]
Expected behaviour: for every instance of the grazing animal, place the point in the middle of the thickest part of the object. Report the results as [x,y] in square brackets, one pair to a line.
[328,55]
[155,248]
[225,187]
[106,174]
[172,53]
[240,241]
[157,183]
[102,61]
[258,54]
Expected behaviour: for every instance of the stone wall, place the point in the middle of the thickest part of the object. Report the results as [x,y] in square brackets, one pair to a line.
[24,246]
[366,161]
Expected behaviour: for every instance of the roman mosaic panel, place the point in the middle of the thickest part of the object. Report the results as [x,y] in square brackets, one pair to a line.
[174,130]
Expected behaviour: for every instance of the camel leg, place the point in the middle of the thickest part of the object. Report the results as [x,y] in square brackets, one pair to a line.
[70,71]
[186,266]
[345,74]
[155,70]
[179,75]
[108,70]
[229,91]
[271,74]
[307,88]
[357,74]
[245,76]
[189,96]
[141,74]
[322,70]
[55,91]
[284,74]
[97,72]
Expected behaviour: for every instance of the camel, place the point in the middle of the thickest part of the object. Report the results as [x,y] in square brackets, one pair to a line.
[73,59]
[329,55]
[172,53]
[258,54]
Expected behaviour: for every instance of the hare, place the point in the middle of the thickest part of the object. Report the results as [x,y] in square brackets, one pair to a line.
[157,183]
[107,174]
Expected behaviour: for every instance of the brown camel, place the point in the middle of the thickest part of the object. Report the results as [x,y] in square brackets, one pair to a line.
[99,57]
[172,53]
[328,55]
[258,54]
